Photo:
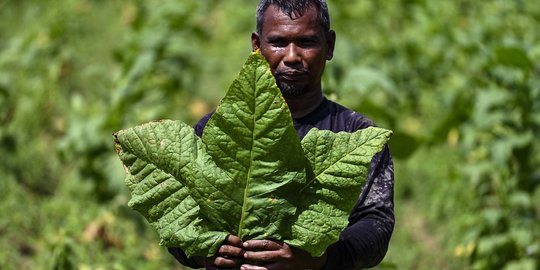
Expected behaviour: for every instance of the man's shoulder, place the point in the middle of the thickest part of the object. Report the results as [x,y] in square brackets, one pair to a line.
[330,115]
[351,119]
[199,126]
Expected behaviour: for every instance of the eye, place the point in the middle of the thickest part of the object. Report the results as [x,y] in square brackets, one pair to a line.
[307,42]
[277,42]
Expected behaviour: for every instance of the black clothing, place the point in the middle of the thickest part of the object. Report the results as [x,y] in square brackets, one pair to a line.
[365,241]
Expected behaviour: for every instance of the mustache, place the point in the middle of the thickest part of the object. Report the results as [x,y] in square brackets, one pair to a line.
[301,71]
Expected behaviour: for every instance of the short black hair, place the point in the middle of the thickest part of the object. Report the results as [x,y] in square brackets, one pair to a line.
[294,8]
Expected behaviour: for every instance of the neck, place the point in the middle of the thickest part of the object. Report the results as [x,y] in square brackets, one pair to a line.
[303,104]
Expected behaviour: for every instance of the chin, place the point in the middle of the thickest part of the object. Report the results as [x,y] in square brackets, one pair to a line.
[291,90]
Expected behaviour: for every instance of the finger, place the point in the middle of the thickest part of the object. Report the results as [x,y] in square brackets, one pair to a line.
[262,256]
[262,245]
[230,251]
[223,262]
[233,240]
[252,267]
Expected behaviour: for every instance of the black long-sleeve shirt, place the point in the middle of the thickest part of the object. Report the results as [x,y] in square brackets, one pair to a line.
[365,240]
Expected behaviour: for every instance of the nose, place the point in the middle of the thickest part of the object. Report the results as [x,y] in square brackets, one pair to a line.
[292,54]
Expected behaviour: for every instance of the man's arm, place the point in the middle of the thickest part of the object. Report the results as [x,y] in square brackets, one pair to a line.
[365,241]
[181,257]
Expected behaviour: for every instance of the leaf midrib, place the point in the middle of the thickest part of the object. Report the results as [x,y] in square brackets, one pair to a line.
[244,203]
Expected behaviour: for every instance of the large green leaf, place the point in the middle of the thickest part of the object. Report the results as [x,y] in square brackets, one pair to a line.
[339,165]
[252,138]
[159,157]
[248,175]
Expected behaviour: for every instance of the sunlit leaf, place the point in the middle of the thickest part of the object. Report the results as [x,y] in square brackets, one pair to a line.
[514,57]
[249,175]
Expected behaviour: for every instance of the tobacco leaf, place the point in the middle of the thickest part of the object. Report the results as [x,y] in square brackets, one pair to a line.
[249,175]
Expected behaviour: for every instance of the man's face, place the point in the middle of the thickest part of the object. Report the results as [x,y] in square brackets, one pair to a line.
[296,49]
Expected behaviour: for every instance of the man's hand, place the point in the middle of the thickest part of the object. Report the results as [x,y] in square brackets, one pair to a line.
[275,255]
[229,255]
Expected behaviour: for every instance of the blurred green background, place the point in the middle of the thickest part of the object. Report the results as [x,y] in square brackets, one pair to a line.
[458,81]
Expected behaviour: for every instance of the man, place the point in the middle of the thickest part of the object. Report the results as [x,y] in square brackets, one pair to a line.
[295,38]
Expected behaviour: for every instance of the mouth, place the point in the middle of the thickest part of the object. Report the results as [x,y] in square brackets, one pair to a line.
[292,75]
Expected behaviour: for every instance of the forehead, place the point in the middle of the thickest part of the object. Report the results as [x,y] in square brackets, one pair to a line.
[276,21]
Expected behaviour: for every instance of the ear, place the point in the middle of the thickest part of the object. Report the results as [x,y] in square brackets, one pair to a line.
[255,41]
[330,44]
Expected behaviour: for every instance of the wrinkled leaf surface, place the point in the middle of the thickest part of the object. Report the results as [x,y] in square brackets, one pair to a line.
[249,175]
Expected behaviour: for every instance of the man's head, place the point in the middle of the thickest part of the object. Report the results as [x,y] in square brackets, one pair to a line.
[295,38]
[295,8]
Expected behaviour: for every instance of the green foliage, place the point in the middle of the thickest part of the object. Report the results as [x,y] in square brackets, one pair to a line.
[55,79]
[457,81]
[64,257]
[502,163]
[248,175]
[462,77]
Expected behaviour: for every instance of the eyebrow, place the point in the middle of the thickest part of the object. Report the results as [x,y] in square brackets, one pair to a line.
[284,37]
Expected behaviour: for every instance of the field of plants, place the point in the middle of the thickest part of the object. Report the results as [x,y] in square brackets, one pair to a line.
[457,81]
